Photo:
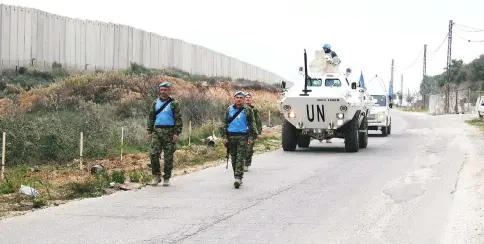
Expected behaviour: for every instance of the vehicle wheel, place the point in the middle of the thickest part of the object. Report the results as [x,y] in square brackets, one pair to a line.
[352,137]
[289,136]
[480,115]
[363,134]
[303,141]
[389,129]
[384,131]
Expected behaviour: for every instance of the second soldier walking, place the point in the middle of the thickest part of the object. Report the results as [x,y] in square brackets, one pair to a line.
[238,131]
[258,124]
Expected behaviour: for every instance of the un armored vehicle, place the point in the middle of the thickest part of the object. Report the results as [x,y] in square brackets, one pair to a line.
[323,105]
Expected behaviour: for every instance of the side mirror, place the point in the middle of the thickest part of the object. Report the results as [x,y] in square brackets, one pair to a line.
[283,85]
[353,85]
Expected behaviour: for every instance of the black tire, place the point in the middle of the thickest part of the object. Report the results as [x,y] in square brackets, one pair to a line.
[352,137]
[303,141]
[363,136]
[289,136]
[389,129]
[384,131]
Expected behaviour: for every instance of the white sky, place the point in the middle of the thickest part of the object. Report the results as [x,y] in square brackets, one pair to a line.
[272,34]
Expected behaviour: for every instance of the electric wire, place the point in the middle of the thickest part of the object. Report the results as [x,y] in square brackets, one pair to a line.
[467,39]
[415,61]
[468,27]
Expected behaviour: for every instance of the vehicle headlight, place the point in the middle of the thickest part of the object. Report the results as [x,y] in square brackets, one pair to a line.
[381,116]
[340,115]
[291,115]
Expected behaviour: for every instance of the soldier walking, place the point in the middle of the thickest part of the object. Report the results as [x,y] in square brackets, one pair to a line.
[164,126]
[237,131]
[258,124]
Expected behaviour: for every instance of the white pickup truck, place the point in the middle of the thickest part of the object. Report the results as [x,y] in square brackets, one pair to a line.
[380,117]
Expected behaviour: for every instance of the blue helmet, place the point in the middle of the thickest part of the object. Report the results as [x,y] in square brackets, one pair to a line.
[348,70]
[327,46]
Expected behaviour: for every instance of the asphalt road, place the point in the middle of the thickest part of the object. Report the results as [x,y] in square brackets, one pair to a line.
[404,188]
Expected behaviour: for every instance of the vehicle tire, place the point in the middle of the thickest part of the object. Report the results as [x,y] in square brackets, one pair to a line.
[303,141]
[480,115]
[389,129]
[384,131]
[352,137]
[289,136]
[363,136]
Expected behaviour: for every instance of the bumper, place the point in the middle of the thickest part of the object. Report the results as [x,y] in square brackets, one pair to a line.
[375,124]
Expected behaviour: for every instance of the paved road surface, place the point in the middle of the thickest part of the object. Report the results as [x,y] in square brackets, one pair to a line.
[401,189]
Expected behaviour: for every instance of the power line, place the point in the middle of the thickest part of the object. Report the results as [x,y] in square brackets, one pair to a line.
[431,55]
[468,27]
[418,57]
[467,39]
[443,41]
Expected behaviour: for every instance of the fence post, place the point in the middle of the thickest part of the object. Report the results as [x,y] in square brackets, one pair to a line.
[3,154]
[122,142]
[81,149]
[469,100]
[189,133]
[269,125]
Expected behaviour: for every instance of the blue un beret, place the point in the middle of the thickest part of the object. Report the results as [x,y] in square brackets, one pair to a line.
[248,94]
[239,93]
[165,84]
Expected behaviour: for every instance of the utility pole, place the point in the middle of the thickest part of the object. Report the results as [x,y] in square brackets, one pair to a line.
[449,60]
[424,75]
[408,94]
[401,91]
[391,80]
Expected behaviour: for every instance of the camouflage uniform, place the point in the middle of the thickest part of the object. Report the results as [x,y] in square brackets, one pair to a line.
[250,148]
[162,140]
[237,143]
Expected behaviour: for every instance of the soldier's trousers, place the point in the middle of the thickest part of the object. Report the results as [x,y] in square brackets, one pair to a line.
[249,154]
[162,140]
[238,148]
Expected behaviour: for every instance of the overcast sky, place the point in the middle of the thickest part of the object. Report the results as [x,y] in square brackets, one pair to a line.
[272,34]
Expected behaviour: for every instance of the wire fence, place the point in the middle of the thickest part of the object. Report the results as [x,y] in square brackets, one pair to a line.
[453,101]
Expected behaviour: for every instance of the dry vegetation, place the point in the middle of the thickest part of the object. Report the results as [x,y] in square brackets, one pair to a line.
[43,121]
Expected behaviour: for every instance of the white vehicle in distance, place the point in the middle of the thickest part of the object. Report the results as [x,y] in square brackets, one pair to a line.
[380,117]
[480,107]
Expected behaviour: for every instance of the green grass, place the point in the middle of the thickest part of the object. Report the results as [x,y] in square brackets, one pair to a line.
[413,109]
[476,122]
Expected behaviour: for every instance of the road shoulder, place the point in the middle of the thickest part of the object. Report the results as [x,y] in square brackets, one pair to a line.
[465,223]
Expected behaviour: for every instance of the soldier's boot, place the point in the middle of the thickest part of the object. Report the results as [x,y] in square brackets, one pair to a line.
[166,182]
[246,168]
[156,180]
[237,183]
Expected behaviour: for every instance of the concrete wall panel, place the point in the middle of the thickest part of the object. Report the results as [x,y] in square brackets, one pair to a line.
[31,37]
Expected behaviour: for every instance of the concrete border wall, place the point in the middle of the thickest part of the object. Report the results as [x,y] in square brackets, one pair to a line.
[31,37]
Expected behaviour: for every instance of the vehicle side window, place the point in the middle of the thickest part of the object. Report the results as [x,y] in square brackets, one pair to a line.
[315,82]
[332,82]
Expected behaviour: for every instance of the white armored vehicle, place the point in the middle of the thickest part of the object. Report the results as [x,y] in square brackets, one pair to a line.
[324,105]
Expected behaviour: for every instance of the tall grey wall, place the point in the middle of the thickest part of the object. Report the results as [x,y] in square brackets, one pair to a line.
[30,37]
